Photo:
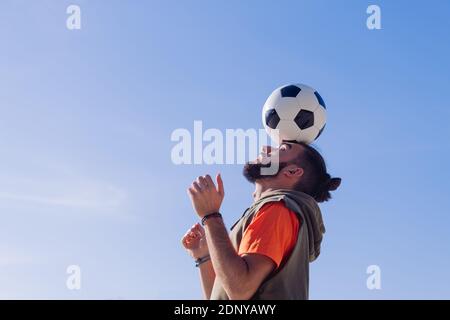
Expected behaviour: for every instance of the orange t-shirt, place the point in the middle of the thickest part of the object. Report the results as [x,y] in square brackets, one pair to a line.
[272,232]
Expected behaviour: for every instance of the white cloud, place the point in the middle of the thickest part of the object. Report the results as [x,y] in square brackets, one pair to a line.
[13,257]
[68,191]
[99,198]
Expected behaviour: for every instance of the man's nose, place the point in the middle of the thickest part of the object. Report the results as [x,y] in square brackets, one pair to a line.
[266,149]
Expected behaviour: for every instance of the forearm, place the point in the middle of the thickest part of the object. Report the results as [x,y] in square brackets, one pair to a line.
[207,277]
[229,267]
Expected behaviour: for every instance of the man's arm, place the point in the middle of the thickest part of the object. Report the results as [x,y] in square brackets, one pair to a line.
[239,276]
[194,241]
[207,277]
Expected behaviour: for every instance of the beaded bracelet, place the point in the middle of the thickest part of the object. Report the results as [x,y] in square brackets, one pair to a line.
[214,214]
[201,260]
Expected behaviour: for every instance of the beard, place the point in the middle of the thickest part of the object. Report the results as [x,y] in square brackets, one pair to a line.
[252,171]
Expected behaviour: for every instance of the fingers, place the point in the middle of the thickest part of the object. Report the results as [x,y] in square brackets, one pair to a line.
[195,231]
[194,188]
[197,186]
[191,191]
[210,181]
[199,229]
[220,188]
[204,183]
[185,240]
[188,238]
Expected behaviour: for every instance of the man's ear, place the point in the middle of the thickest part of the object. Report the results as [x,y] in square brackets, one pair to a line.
[294,172]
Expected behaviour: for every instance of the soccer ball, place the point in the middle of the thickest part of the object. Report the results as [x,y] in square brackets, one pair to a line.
[294,112]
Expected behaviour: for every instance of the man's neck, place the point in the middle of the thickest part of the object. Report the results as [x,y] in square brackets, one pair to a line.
[261,187]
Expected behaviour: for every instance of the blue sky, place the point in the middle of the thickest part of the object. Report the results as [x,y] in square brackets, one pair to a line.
[86,117]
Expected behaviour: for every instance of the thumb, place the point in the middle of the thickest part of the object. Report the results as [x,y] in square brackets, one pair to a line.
[200,229]
[220,189]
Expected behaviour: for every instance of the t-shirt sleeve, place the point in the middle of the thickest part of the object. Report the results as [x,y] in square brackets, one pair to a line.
[272,232]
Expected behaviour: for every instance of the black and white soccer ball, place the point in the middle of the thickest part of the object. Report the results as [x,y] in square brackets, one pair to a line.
[294,112]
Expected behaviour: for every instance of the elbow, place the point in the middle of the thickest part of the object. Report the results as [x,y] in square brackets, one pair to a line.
[240,293]
[239,296]
[242,286]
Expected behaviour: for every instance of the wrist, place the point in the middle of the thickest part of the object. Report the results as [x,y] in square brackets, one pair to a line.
[199,254]
[213,215]
[202,260]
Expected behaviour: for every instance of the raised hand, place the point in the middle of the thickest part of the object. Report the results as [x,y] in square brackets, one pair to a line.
[205,196]
[194,241]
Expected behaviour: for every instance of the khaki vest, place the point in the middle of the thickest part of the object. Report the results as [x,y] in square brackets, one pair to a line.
[291,280]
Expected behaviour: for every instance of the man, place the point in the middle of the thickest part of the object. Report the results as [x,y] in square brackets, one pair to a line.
[267,253]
